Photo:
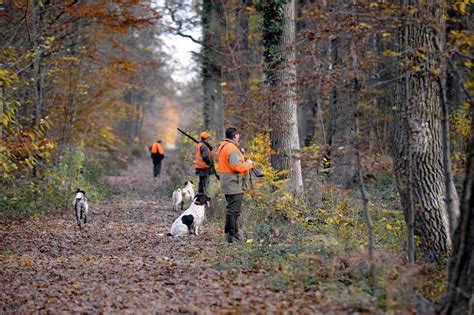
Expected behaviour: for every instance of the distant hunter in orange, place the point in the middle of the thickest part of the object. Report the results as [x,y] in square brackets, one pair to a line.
[157,155]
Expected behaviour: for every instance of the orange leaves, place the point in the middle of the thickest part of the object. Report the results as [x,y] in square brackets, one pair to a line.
[117,17]
[26,262]
[126,66]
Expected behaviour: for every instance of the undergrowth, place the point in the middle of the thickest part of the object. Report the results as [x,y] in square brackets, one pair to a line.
[51,190]
[318,241]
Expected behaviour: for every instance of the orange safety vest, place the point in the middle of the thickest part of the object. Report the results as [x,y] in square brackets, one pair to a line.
[225,150]
[157,148]
[199,162]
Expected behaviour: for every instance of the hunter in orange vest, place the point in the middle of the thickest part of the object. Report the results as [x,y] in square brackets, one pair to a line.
[157,155]
[204,162]
[232,168]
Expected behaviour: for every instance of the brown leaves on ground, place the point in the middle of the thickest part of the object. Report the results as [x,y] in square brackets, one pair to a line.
[123,262]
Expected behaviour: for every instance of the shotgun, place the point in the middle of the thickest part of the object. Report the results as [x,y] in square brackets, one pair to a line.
[189,136]
[255,170]
[194,139]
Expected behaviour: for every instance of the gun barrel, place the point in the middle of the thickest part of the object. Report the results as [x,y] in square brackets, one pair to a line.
[190,137]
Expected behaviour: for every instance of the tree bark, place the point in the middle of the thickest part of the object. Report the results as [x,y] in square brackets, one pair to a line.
[417,138]
[308,78]
[37,65]
[284,133]
[451,198]
[460,292]
[243,52]
[211,69]
[341,118]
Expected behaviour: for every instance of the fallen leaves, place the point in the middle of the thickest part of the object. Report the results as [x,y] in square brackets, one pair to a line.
[121,263]
[26,261]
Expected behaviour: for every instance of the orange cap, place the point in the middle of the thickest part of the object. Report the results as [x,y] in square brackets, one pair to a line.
[204,135]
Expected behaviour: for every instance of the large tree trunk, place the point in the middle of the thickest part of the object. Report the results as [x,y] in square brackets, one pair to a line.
[460,292]
[211,69]
[310,123]
[284,133]
[341,117]
[243,54]
[417,139]
[307,80]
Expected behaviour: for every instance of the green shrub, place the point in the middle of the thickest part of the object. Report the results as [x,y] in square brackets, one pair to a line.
[53,190]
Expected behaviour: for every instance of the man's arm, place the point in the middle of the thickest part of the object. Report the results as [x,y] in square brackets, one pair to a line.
[205,155]
[237,165]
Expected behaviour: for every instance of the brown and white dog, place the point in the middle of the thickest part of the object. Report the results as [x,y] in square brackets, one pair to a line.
[182,195]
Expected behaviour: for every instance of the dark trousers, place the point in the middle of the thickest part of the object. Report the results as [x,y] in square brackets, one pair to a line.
[233,209]
[203,184]
[156,168]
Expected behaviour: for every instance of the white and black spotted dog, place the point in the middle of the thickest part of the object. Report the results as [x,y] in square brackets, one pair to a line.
[182,195]
[81,207]
[191,219]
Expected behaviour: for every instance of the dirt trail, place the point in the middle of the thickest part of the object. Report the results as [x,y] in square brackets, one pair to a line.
[120,263]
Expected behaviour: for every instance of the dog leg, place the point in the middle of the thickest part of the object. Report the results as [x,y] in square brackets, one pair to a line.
[196,230]
[192,229]
[78,215]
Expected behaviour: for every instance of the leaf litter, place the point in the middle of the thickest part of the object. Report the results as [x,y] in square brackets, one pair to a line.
[123,262]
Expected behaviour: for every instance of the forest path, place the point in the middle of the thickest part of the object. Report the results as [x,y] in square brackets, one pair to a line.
[121,263]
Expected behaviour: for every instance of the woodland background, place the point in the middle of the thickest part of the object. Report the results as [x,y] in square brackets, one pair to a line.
[359,113]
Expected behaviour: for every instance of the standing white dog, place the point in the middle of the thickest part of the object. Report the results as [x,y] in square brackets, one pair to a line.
[81,206]
[191,219]
[182,195]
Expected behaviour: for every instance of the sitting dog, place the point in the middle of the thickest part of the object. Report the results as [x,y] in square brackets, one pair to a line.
[81,206]
[182,195]
[191,219]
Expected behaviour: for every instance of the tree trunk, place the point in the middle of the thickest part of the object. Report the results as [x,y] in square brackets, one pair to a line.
[417,132]
[37,64]
[206,62]
[211,69]
[460,292]
[341,118]
[284,133]
[243,53]
[307,80]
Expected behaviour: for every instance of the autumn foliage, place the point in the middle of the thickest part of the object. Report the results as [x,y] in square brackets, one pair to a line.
[70,80]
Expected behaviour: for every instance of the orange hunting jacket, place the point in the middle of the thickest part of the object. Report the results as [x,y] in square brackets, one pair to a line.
[157,148]
[232,167]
